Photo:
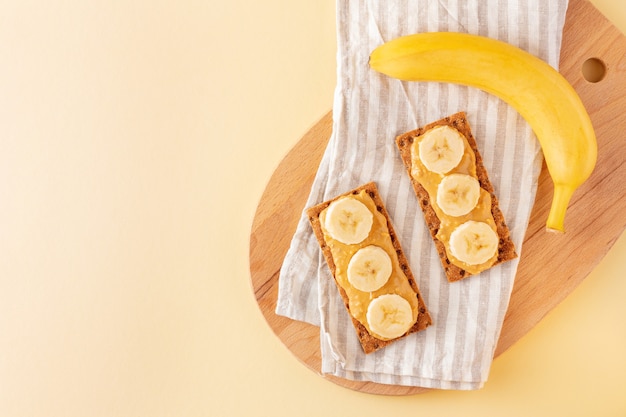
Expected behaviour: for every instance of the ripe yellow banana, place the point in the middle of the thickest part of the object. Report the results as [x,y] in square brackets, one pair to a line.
[543,97]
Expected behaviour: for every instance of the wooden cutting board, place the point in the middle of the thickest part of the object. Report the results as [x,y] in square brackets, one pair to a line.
[551,265]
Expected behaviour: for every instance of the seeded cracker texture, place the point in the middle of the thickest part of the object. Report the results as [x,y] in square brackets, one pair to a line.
[369,342]
[506,249]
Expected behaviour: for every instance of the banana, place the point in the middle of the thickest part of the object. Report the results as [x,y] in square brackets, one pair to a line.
[369,268]
[441,149]
[473,242]
[537,91]
[389,316]
[348,220]
[458,194]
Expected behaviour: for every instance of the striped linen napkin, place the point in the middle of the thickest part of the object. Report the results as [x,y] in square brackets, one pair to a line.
[369,111]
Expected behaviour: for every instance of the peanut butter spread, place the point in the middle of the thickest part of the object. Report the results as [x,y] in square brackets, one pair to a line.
[481,212]
[358,301]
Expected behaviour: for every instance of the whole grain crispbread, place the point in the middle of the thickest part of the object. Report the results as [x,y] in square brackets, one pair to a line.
[369,342]
[506,248]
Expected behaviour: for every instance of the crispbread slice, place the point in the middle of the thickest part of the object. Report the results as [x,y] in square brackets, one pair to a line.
[369,342]
[506,248]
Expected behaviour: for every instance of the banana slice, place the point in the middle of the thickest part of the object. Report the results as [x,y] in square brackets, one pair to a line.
[458,194]
[369,268]
[441,149]
[474,242]
[389,316]
[348,220]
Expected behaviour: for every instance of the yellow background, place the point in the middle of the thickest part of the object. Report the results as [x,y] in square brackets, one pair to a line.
[136,139]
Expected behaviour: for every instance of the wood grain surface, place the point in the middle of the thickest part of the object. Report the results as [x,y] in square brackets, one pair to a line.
[551,265]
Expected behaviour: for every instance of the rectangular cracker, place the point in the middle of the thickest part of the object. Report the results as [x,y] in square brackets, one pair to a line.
[369,342]
[506,249]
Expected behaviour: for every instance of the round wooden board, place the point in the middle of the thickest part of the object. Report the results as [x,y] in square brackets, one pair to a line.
[551,265]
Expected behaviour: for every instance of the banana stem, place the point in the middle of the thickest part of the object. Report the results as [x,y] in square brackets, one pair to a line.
[560,201]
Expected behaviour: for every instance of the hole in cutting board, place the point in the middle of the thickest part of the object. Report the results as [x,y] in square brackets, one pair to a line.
[594,70]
